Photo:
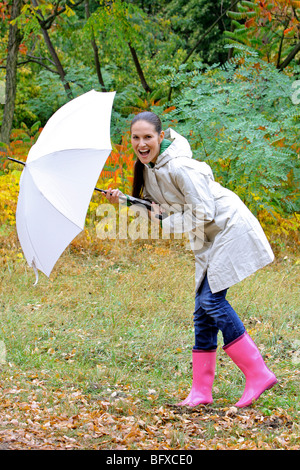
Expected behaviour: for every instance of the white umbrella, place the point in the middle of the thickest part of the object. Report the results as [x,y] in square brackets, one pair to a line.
[59,178]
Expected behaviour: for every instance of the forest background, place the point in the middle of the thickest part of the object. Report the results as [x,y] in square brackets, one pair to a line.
[227,78]
[226,75]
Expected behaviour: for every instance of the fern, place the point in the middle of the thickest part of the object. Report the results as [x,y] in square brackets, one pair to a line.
[250,5]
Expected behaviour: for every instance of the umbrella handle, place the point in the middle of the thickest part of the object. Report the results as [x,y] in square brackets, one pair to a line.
[133,200]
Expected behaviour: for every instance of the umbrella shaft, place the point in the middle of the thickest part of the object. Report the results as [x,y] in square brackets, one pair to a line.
[17,161]
[130,199]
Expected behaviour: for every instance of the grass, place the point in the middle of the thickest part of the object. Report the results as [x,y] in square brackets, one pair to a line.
[95,357]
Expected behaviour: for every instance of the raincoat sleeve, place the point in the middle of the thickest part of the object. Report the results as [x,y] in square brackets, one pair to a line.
[199,206]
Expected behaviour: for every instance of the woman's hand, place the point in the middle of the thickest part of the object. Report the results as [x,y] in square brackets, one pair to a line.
[155,212]
[113,195]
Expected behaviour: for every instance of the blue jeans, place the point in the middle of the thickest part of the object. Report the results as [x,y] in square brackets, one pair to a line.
[214,313]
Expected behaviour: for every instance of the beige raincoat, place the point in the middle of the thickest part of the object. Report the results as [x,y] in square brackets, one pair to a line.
[228,241]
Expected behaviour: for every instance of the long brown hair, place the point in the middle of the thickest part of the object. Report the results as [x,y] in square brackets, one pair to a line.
[138,176]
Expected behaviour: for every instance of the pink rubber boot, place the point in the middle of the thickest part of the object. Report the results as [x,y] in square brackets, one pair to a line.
[247,357]
[204,364]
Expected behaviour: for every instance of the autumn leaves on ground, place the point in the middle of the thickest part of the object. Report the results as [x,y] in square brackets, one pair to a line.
[97,356]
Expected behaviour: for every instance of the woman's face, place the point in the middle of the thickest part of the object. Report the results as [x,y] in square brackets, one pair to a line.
[146,141]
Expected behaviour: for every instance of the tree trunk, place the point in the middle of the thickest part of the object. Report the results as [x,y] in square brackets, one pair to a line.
[139,68]
[58,64]
[54,55]
[95,49]
[290,57]
[14,40]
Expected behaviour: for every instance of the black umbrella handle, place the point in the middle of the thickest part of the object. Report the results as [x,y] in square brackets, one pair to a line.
[130,199]
[133,200]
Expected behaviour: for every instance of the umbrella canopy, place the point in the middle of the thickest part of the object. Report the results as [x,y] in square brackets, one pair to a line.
[59,177]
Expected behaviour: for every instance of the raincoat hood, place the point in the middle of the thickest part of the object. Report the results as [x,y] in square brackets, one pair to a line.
[179,148]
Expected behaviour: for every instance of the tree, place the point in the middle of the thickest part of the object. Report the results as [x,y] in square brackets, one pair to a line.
[42,17]
[14,41]
[121,19]
[270,27]
[45,24]
[95,48]
[202,38]
[240,118]
[200,24]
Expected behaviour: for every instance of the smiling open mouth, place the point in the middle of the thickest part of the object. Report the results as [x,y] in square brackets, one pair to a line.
[144,153]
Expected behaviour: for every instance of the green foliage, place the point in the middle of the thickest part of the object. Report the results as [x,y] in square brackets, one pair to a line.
[118,24]
[240,118]
[119,19]
[271,28]
[50,97]
[191,19]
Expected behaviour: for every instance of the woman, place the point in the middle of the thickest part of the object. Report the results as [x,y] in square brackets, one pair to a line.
[229,245]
